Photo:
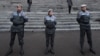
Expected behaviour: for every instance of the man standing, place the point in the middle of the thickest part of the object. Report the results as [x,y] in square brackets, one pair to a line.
[70,4]
[29,5]
[18,19]
[50,23]
[83,19]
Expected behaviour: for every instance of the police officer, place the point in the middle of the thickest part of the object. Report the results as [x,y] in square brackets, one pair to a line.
[70,4]
[18,19]
[29,5]
[83,18]
[50,23]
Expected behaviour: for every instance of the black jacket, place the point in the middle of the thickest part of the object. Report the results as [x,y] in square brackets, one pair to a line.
[29,1]
[18,23]
[84,22]
[50,26]
[70,3]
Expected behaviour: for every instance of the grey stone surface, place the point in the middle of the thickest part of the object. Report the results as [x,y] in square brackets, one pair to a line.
[39,10]
[36,21]
[66,44]
[44,5]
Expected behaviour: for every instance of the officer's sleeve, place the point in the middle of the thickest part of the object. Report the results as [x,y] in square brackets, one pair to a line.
[25,17]
[72,2]
[67,0]
[31,1]
[45,21]
[78,17]
[11,17]
[89,16]
[55,21]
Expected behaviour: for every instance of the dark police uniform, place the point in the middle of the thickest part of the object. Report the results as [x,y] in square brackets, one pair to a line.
[70,4]
[50,23]
[83,19]
[29,5]
[18,20]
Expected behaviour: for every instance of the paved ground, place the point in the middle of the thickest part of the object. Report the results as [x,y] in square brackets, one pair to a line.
[66,44]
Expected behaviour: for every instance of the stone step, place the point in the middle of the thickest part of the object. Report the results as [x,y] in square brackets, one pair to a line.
[42,14]
[42,22]
[5,19]
[61,26]
[71,29]
[64,22]
[39,10]
[44,9]
[39,4]
[42,18]
[34,8]
[62,19]
[42,28]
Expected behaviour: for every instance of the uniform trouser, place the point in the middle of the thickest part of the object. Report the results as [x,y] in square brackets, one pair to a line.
[29,6]
[82,36]
[20,38]
[50,40]
[69,9]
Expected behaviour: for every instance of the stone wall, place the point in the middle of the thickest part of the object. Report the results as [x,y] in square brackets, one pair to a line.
[46,4]
[92,4]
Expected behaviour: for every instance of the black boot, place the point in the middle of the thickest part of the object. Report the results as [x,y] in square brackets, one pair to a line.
[82,52]
[92,51]
[9,52]
[46,51]
[52,51]
[21,51]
